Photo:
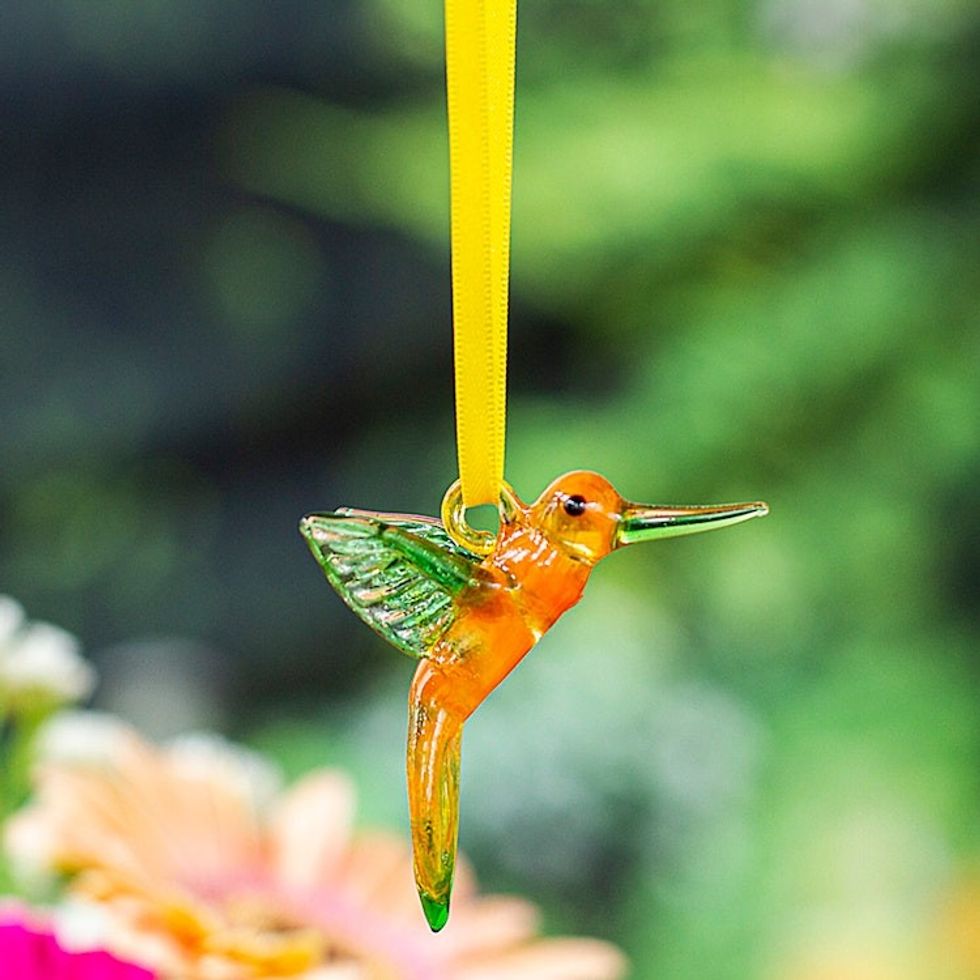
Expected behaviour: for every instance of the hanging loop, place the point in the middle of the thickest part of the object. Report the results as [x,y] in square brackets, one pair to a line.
[453,513]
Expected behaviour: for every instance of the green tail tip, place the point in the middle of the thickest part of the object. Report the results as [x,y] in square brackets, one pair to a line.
[436,912]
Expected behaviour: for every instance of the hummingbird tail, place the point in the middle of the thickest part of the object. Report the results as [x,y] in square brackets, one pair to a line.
[434,742]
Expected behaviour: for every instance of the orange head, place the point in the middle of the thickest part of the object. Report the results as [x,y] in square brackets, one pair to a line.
[583,514]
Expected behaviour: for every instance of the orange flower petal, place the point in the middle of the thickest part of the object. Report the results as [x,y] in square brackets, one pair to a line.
[310,829]
[551,959]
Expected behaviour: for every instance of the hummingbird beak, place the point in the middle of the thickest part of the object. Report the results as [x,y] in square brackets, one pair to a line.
[642,523]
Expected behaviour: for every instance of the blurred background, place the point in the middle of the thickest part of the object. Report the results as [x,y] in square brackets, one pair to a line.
[744,266]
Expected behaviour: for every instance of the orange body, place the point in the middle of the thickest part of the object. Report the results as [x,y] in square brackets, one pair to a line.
[526,583]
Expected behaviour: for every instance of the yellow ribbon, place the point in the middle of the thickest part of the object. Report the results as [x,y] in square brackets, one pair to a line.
[480,42]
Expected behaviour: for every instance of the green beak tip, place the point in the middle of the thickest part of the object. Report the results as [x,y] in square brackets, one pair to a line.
[436,912]
[651,523]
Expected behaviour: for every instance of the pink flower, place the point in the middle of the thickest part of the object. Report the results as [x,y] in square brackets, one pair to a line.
[29,951]
[203,872]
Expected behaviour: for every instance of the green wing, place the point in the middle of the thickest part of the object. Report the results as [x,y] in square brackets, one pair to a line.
[399,573]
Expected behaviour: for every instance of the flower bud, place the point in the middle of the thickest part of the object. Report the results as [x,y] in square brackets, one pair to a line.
[41,666]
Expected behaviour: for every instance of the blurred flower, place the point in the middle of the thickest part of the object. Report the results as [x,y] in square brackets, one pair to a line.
[940,942]
[86,737]
[40,664]
[29,951]
[960,927]
[191,863]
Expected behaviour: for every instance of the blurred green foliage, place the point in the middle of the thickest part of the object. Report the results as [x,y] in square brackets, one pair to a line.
[745,254]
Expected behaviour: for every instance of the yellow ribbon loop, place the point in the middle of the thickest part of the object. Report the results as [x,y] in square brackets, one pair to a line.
[480,44]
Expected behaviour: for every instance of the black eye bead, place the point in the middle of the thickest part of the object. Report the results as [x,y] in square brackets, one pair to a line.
[575,505]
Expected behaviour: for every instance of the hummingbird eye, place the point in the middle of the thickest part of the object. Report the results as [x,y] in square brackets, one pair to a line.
[574,505]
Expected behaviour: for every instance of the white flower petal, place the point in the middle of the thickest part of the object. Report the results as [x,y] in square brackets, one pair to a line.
[42,659]
[83,737]
[204,756]
[29,846]
[11,619]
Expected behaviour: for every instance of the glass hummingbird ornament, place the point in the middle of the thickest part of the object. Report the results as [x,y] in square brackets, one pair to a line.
[469,613]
